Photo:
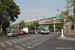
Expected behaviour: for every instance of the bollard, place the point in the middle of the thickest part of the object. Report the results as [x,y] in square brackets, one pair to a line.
[62,35]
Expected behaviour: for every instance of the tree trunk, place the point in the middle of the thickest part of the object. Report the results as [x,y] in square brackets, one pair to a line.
[1,26]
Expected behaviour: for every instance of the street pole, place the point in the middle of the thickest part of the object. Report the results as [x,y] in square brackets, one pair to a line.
[62,35]
[54,27]
[54,24]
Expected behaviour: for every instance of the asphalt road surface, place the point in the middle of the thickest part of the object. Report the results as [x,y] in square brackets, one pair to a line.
[35,42]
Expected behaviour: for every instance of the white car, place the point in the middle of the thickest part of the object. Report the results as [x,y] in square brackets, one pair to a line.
[12,33]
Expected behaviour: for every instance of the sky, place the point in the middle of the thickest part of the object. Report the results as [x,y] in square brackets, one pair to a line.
[38,9]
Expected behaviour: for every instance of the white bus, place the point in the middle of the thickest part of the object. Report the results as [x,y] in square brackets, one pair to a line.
[43,29]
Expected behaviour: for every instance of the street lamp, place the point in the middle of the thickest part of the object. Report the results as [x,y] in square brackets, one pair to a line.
[54,24]
[59,10]
[62,35]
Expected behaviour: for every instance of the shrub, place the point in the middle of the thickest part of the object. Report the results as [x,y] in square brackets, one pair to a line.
[0,32]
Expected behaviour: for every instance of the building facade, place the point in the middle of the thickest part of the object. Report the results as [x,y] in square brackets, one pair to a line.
[29,20]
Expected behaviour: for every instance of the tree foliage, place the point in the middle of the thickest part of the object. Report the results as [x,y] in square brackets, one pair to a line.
[71,4]
[66,12]
[59,26]
[51,26]
[32,25]
[22,24]
[27,25]
[35,24]
[12,27]
[8,11]
[5,24]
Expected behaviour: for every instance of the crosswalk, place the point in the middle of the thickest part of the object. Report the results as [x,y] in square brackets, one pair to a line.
[25,43]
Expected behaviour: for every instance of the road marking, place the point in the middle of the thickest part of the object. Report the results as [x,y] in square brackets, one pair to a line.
[38,43]
[17,46]
[24,45]
[30,47]
[8,42]
[1,48]
[18,40]
[34,45]
[29,42]
[10,49]
[14,41]
[21,49]
[2,45]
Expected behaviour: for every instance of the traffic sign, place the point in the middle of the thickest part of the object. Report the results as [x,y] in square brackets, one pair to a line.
[63,26]
[35,27]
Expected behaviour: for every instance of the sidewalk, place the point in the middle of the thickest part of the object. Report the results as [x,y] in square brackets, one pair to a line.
[71,35]
[68,36]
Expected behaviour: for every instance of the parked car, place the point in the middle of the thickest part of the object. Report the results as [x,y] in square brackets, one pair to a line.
[32,31]
[22,32]
[29,31]
[12,33]
[7,31]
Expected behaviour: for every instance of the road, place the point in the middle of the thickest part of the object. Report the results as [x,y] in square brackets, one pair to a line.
[34,42]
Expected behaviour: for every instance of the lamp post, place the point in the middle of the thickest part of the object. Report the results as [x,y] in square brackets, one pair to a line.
[59,9]
[62,31]
[54,24]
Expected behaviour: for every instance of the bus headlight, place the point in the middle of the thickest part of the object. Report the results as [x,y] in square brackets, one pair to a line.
[48,30]
[42,30]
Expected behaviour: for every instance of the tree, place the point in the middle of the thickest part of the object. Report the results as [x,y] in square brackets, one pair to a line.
[71,4]
[59,26]
[65,14]
[8,11]
[5,24]
[33,25]
[27,25]
[22,24]
[51,26]
[12,27]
